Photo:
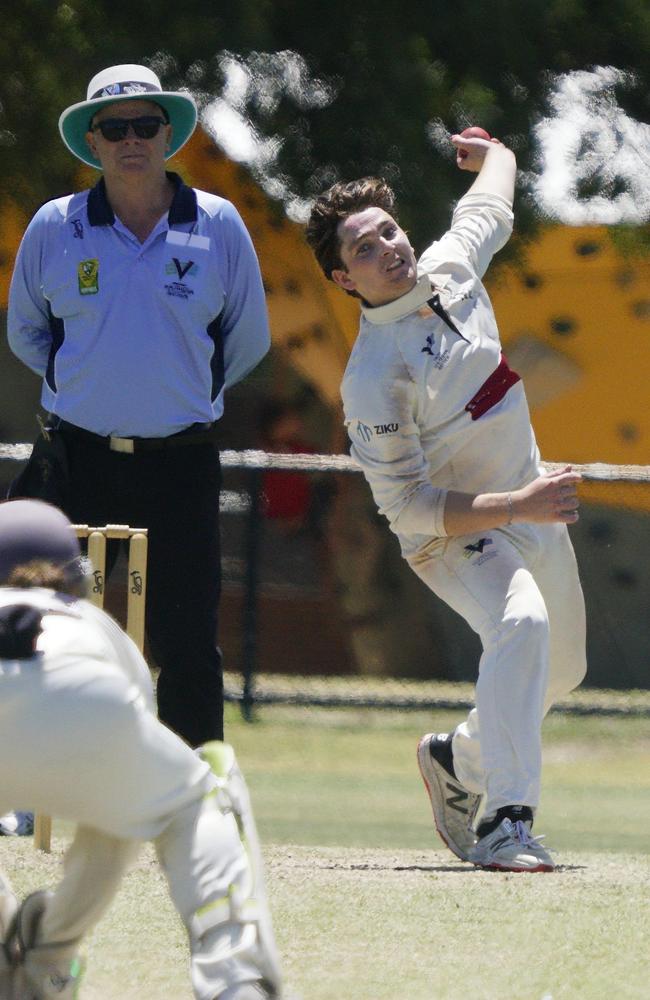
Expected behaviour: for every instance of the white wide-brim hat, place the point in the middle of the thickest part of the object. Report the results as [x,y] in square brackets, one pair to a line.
[126,83]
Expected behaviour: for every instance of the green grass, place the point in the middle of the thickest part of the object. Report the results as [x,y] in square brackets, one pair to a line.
[410,926]
[367,903]
[349,778]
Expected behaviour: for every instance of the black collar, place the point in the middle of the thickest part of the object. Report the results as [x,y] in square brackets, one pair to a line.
[182,209]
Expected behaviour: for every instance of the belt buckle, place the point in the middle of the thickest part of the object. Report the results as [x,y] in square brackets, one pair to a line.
[125,445]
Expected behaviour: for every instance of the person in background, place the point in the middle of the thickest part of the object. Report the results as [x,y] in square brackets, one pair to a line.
[139,302]
[287,495]
[440,426]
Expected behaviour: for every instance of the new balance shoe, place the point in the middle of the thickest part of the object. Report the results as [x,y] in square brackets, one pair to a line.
[510,845]
[454,807]
[17,824]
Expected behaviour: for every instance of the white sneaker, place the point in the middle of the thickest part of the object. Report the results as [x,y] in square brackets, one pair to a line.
[245,991]
[511,847]
[17,824]
[454,807]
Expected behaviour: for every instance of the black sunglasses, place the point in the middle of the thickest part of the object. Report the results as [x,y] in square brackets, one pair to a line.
[115,129]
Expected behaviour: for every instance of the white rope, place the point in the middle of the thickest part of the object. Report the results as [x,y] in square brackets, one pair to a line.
[297,462]
[16,452]
[253,459]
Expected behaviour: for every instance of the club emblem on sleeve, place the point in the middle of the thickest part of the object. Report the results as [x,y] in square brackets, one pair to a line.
[478,548]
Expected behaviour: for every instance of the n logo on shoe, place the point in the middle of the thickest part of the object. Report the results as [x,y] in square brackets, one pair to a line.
[458,796]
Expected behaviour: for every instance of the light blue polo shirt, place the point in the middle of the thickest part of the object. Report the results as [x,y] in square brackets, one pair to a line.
[137,339]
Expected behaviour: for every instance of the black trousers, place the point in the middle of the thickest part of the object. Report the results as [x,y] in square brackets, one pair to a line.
[174,492]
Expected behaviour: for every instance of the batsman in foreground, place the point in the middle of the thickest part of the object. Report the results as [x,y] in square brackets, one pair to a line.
[75,695]
[440,426]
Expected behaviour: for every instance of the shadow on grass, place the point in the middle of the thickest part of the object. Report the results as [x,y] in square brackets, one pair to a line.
[340,866]
[459,869]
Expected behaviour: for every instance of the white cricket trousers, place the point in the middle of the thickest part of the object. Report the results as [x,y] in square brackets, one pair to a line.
[85,746]
[518,588]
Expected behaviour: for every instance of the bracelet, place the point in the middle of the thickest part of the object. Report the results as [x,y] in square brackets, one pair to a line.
[510,510]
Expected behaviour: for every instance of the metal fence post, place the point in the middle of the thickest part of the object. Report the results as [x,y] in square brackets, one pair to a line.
[251,594]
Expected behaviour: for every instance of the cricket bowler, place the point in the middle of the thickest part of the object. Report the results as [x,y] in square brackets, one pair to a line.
[440,426]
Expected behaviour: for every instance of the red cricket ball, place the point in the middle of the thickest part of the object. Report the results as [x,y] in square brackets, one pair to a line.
[475,132]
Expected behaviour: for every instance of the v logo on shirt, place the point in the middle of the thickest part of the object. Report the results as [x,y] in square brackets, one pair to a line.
[182,268]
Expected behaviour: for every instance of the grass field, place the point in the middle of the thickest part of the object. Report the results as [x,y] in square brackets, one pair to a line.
[367,903]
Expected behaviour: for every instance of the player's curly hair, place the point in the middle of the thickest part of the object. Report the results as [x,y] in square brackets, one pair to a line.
[338,202]
[43,573]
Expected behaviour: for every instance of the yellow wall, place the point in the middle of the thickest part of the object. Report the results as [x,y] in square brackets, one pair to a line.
[12,227]
[576,324]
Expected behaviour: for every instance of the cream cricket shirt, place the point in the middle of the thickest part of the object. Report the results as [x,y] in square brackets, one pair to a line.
[81,709]
[429,409]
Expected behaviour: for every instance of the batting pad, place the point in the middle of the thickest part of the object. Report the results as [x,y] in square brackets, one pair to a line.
[251,907]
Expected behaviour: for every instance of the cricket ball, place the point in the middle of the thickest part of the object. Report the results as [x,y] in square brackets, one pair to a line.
[475,132]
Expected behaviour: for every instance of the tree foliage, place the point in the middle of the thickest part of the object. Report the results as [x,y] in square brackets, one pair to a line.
[399,73]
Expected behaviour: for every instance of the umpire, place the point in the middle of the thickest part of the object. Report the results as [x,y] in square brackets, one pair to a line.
[138,302]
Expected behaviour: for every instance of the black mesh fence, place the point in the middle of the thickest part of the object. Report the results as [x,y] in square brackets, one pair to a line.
[319,609]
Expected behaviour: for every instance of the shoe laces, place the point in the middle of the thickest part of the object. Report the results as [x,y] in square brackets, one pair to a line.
[521,832]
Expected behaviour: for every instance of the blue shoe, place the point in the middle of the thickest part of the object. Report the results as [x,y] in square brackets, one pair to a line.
[17,824]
